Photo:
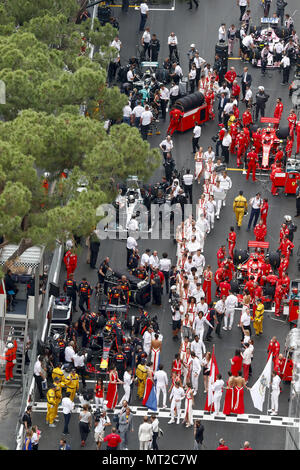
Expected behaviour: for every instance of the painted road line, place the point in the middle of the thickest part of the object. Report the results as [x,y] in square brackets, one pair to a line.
[235,169]
[136,7]
[164,413]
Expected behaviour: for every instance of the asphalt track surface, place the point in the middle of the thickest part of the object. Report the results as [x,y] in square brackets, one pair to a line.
[200,27]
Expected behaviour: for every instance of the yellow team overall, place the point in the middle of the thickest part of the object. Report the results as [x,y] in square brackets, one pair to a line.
[72,384]
[240,206]
[58,397]
[141,373]
[57,372]
[51,401]
[258,319]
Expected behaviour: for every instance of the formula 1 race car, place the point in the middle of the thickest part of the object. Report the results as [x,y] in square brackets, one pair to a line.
[253,263]
[271,138]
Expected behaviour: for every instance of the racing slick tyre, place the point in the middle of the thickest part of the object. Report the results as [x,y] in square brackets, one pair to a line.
[282,132]
[240,256]
[235,286]
[274,259]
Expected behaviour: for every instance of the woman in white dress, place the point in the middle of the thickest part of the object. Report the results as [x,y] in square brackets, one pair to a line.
[199,164]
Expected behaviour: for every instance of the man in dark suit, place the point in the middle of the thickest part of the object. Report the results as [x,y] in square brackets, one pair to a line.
[222,102]
[246,80]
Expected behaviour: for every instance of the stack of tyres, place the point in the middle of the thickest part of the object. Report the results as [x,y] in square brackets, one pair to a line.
[222,50]
[189,102]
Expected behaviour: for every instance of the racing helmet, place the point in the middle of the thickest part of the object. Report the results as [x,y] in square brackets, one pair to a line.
[295,290]
[261,88]
[287,218]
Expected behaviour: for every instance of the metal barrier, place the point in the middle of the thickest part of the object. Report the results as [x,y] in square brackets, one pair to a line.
[41,332]
[292,439]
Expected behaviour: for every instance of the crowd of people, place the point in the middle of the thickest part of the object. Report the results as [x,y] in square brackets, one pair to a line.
[197,311]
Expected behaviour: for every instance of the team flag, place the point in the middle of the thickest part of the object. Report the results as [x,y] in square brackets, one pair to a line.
[258,391]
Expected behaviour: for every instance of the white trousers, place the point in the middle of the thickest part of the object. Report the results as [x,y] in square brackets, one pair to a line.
[274,400]
[217,401]
[144,445]
[229,316]
[195,381]
[126,395]
[200,333]
[162,389]
[218,206]
[99,402]
[175,405]
[211,219]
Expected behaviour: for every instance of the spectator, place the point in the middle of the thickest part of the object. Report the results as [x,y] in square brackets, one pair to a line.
[113,440]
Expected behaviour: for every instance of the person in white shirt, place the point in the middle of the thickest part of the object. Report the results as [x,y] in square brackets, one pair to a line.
[176,396]
[174,93]
[196,369]
[145,121]
[217,388]
[145,40]
[198,347]
[131,244]
[222,33]
[192,78]
[199,262]
[256,204]
[198,325]
[226,142]
[161,385]
[220,310]
[202,306]
[210,212]
[247,46]
[127,111]
[39,375]
[166,146]
[127,381]
[165,265]
[116,43]
[218,194]
[67,408]
[145,258]
[144,9]
[154,260]
[69,353]
[99,430]
[247,357]
[164,99]
[177,74]
[231,303]
[155,431]
[196,137]
[224,89]
[136,114]
[198,61]
[145,434]
[133,225]
[188,180]
[130,75]
[225,183]
[275,393]
[286,65]
[173,43]
[248,95]
[147,340]
[198,293]
[209,154]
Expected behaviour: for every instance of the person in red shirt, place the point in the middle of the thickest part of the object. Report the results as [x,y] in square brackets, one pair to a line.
[224,288]
[113,440]
[289,147]
[209,98]
[236,112]
[247,118]
[241,147]
[279,155]
[230,76]
[286,247]
[221,254]
[219,276]
[249,286]
[284,264]
[274,348]
[256,136]
[222,445]
[247,135]
[284,279]
[252,158]
[279,293]
[233,133]
[228,268]
[236,363]
[10,357]
[260,231]
[70,260]
[175,118]
[284,231]
[292,119]
[278,111]
[231,242]
[276,169]
[235,90]
[264,211]
[298,136]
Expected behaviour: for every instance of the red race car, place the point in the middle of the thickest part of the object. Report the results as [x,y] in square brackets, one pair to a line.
[270,139]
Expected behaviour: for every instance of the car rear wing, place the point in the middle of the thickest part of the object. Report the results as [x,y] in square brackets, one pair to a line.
[270,120]
[255,244]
